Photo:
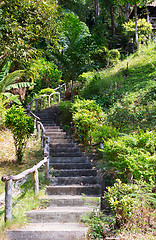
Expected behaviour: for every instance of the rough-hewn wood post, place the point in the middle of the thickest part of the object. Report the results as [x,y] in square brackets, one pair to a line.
[41,103]
[49,99]
[35,182]
[36,101]
[47,168]
[8,201]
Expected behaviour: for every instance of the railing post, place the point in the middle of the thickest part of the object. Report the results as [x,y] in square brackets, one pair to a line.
[49,99]
[59,98]
[8,201]
[41,103]
[31,106]
[47,168]
[35,182]
[36,101]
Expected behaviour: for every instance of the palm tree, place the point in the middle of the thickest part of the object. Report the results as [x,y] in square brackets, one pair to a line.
[7,82]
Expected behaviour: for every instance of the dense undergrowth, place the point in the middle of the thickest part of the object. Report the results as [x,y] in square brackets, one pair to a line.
[116,107]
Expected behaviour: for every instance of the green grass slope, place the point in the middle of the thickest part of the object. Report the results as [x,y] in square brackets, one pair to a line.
[127,92]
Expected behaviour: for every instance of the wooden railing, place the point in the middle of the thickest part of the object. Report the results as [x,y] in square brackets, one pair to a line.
[8,179]
[43,102]
[9,184]
[45,140]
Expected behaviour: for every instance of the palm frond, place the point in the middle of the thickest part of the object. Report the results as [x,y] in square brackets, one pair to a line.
[5,70]
[10,79]
[12,97]
[19,85]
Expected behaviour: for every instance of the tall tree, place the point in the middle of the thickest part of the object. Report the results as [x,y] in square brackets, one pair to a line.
[134,4]
[73,55]
[26,27]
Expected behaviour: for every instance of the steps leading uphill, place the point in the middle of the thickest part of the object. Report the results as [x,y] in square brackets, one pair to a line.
[74,190]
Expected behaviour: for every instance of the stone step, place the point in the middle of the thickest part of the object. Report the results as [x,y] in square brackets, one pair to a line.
[58,214]
[60,140]
[58,136]
[68,159]
[49,231]
[89,190]
[71,165]
[51,134]
[53,130]
[62,145]
[82,180]
[64,149]
[66,154]
[68,200]
[52,127]
[73,172]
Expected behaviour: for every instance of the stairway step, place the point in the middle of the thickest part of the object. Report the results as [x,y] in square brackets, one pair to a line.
[90,190]
[49,231]
[62,145]
[52,127]
[53,134]
[73,172]
[82,180]
[66,154]
[58,214]
[71,165]
[68,200]
[64,149]
[59,140]
[68,159]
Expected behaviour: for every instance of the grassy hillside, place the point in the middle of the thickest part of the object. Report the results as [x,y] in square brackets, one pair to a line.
[127,92]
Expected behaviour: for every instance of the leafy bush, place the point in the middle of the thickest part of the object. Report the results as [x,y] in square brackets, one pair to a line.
[66,114]
[22,126]
[86,115]
[45,74]
[103,133]
[132,155]
[131,203]
[144,29]
[100,56]
[114,56]
[47,91]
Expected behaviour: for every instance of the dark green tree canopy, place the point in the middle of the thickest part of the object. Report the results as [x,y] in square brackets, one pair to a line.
[26,27]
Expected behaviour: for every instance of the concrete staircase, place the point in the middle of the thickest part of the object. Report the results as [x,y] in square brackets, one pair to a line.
[74,190]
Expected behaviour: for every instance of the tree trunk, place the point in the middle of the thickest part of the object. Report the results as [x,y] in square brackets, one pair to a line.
[96,3]
[112,20]
[127,12]
[136,27]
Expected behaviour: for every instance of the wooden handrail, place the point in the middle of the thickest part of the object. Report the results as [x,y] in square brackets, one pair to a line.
[24,173]
[8,185]
[30,104]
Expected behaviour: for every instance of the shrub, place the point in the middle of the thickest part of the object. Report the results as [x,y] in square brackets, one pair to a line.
[66,114]
[45,74]
[103,133]
[47,91]
[114,56]
[86,115]
[100,57]
[131,203]
[144,29]
[22,126]
[132,155]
